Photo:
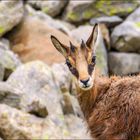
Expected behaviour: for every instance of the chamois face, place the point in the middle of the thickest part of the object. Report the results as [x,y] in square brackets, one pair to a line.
[81,59]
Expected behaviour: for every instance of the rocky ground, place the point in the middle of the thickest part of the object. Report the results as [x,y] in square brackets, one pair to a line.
[37,93]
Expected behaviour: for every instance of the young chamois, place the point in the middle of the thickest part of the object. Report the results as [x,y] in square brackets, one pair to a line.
[111,106]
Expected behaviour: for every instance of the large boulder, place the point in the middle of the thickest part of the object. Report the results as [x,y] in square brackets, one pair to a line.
[83,32]
[41,95]
[11,13]
[15,124]
[54,23]
[52,8]
[8,60]
[126,36]
[124,63]
[64,81]
[35,43]
[79,11]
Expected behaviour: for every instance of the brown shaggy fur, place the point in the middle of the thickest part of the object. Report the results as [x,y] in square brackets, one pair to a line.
[112,107]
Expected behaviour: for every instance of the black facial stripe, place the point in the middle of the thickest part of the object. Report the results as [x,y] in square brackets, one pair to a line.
[92,65]
[74,72]
[72,69]
[90,68]
[93,59]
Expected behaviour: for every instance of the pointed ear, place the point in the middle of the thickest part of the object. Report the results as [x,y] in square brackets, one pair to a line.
[64,50]
[94,38]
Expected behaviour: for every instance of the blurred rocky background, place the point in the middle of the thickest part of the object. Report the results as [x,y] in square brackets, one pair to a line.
[37,93]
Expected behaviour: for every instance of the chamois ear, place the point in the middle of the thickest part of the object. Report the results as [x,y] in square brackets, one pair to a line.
[94,39]
[59,46]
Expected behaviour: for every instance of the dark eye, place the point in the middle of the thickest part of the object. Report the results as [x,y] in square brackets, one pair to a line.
[93,59]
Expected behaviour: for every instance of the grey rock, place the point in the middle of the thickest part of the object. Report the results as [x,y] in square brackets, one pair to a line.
[77,127]
[42,96]
[11,13]
[41,93]
[4,44]
[57,24]
[52,8]
[1,72]
[83,32]
[9,95]
[124,63]
[62,76]
[76,107]
[110,21]
[8,60]
[80,11]
[64,80]
[126,36]
[67,104]
[15,124]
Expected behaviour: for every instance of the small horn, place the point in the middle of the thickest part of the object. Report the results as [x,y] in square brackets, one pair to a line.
[83,44]
[72,47]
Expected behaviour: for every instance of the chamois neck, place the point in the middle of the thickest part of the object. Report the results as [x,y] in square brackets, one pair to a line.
[87,99]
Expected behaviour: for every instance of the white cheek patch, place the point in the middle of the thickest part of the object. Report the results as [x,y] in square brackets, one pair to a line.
[90,82]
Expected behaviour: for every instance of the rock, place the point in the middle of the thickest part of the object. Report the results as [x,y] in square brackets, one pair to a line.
[126,36]
[124,63]
[76,107]
[52,8]
[77,127]
[64,78]
[57,24]
[4,44]
[8,60]
[15,124]
[41,95]
[66,24]
[79,11]
[110,21]
[1,72]
[67,104]
[11,13]
[9,95]
[35,43]
[64,81]
[83,32]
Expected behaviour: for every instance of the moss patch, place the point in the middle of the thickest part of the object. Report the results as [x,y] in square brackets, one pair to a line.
[72,16]
[137,24]
[88,14]
[45,9]
[1,30]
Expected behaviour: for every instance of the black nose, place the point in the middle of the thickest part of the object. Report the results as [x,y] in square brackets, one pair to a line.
[84,81]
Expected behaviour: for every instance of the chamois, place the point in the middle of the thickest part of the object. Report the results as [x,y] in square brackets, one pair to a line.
[111,106]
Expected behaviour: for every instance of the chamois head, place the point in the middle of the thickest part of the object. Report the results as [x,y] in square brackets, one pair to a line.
[81,59]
